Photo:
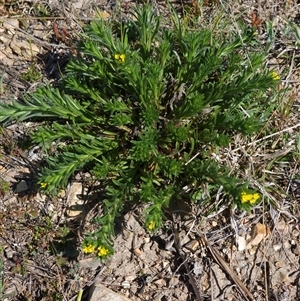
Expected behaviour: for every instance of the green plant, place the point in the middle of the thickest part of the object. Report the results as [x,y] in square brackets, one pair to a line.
[4,187]
[142,107]
[32,75]
[41,10]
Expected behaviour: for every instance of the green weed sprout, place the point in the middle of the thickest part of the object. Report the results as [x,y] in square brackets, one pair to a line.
[142,106]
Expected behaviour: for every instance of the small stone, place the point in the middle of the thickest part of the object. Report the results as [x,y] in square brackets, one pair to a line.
[279,264]
[214,223]
[258,233]
[192,245]
[11,25]
[62,194]
[197,268]
[165,264]
[225,251]
[104,14]
[90,263]
[252,251]
[78,4]
[39,31]
[277,247]
[160,282]
[241,242]
[75,200]
[130,278]
[281,225]
[125,284]
[2,169]
[24,48]
[12,200]
[146,240]
[230,297]
[280,276]
[173,282]
[5,40]
[137,252]
[100,292]
[9,252]
[21,186]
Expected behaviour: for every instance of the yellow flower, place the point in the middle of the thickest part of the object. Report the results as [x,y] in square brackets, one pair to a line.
[88,249]
[102,251]
[43,185]
[120,57]
[249,197]
[275,75]
[151,225]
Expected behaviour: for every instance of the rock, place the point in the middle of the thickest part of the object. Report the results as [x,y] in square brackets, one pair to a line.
[21,186]
[10,201]
[241,241]
[281,225]
[258,233]
[11,25]
[192,245]
[104,14]
[277,247]
[99,292]
[4,58]
[214,223]
[89,263]
[24,48]
[280,276]
[2,169]
[173,282]
[78,4]
[125,284]
[75,200]
[160,282]
[198,270]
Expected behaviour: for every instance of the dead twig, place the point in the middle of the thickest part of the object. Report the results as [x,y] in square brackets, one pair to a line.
[192,281]
[218,258]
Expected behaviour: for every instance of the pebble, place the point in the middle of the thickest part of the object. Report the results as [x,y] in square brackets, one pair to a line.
[24,48]
[11,25]
[192,245]
[173,282]
[277,247]
[75,200]
[100,292]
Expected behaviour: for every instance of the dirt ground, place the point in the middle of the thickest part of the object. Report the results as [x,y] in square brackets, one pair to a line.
[221,255]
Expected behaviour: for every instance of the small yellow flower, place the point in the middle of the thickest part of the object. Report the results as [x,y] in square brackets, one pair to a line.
[120,57]
[275,75]
[88,249]
[102,251]
[249,197]
[43,185]
[151,225]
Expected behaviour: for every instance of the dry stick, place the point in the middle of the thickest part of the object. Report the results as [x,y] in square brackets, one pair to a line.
[218,258]
[269,136]
[192,281]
